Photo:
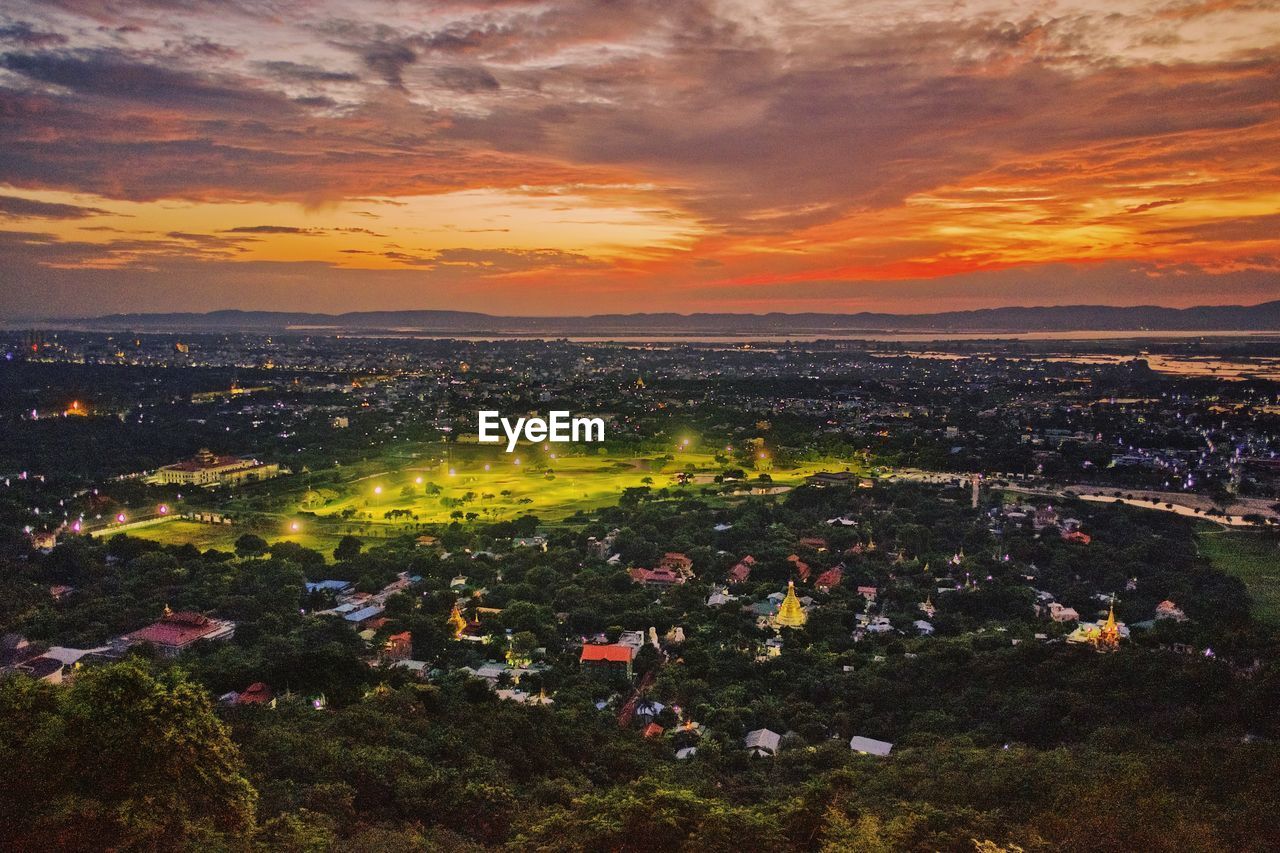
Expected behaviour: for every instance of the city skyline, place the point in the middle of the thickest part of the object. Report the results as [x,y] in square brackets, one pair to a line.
[569,158]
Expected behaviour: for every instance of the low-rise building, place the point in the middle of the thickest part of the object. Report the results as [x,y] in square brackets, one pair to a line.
[174,632]
[869,746]
[209,469]
[608,656]
[762,743]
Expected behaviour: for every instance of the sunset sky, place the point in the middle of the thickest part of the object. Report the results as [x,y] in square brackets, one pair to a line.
[677,155]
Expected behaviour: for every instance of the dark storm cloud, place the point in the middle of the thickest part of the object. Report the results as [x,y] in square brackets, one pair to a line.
[388,60]
[1243,230]
[302,73]
[1152,205]
[750,136]
[273,152]
[467,79]
[25,34]
[494,261]
[16,207]
[114,76]
[273,229]
[745,125]
[27,250]
[766,139]
[511,260]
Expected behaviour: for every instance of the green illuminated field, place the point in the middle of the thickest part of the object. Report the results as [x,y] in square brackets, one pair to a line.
[399,494]
[223,537]
[496,486]
[1252,559]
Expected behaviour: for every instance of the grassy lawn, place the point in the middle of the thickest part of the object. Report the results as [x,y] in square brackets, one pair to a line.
[498,486]
[429,485]
[223,536]
[1250,558]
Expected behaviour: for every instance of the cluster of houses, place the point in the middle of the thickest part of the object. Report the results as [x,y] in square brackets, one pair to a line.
[766,743]
[672,570]
[362,610]
[170,635]
[1046,517]
[617,656]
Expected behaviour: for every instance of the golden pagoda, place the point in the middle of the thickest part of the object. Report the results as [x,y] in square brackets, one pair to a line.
[457,622]
[1109,635]
[790,614]
[1104,637]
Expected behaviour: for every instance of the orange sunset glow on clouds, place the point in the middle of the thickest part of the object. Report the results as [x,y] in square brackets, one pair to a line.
[573,157]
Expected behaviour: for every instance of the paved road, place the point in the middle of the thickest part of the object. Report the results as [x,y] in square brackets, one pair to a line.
[1191,506]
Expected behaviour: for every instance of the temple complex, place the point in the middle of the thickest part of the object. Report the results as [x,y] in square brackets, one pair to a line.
[1104,636]
[457,622]
[791,614]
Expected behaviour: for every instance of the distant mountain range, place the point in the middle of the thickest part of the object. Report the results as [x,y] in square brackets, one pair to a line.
[1063,318]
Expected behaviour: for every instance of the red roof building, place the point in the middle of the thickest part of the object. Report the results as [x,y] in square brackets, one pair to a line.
[176,631]
[800,567]
[830,579]
[661,576]
[652,730]
[208,469]
[258,693]
[399,646]
[608,656]
[678,563]
[742,571]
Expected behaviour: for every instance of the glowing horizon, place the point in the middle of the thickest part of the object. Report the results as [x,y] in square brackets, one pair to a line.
[569,157]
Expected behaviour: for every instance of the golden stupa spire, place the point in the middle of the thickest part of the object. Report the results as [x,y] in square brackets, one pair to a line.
[457,622]
[790,614]
[1109,636]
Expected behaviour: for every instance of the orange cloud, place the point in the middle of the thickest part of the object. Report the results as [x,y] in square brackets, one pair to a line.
[655,156]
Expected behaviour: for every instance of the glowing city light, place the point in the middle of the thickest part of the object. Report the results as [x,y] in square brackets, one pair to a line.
[377,490]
